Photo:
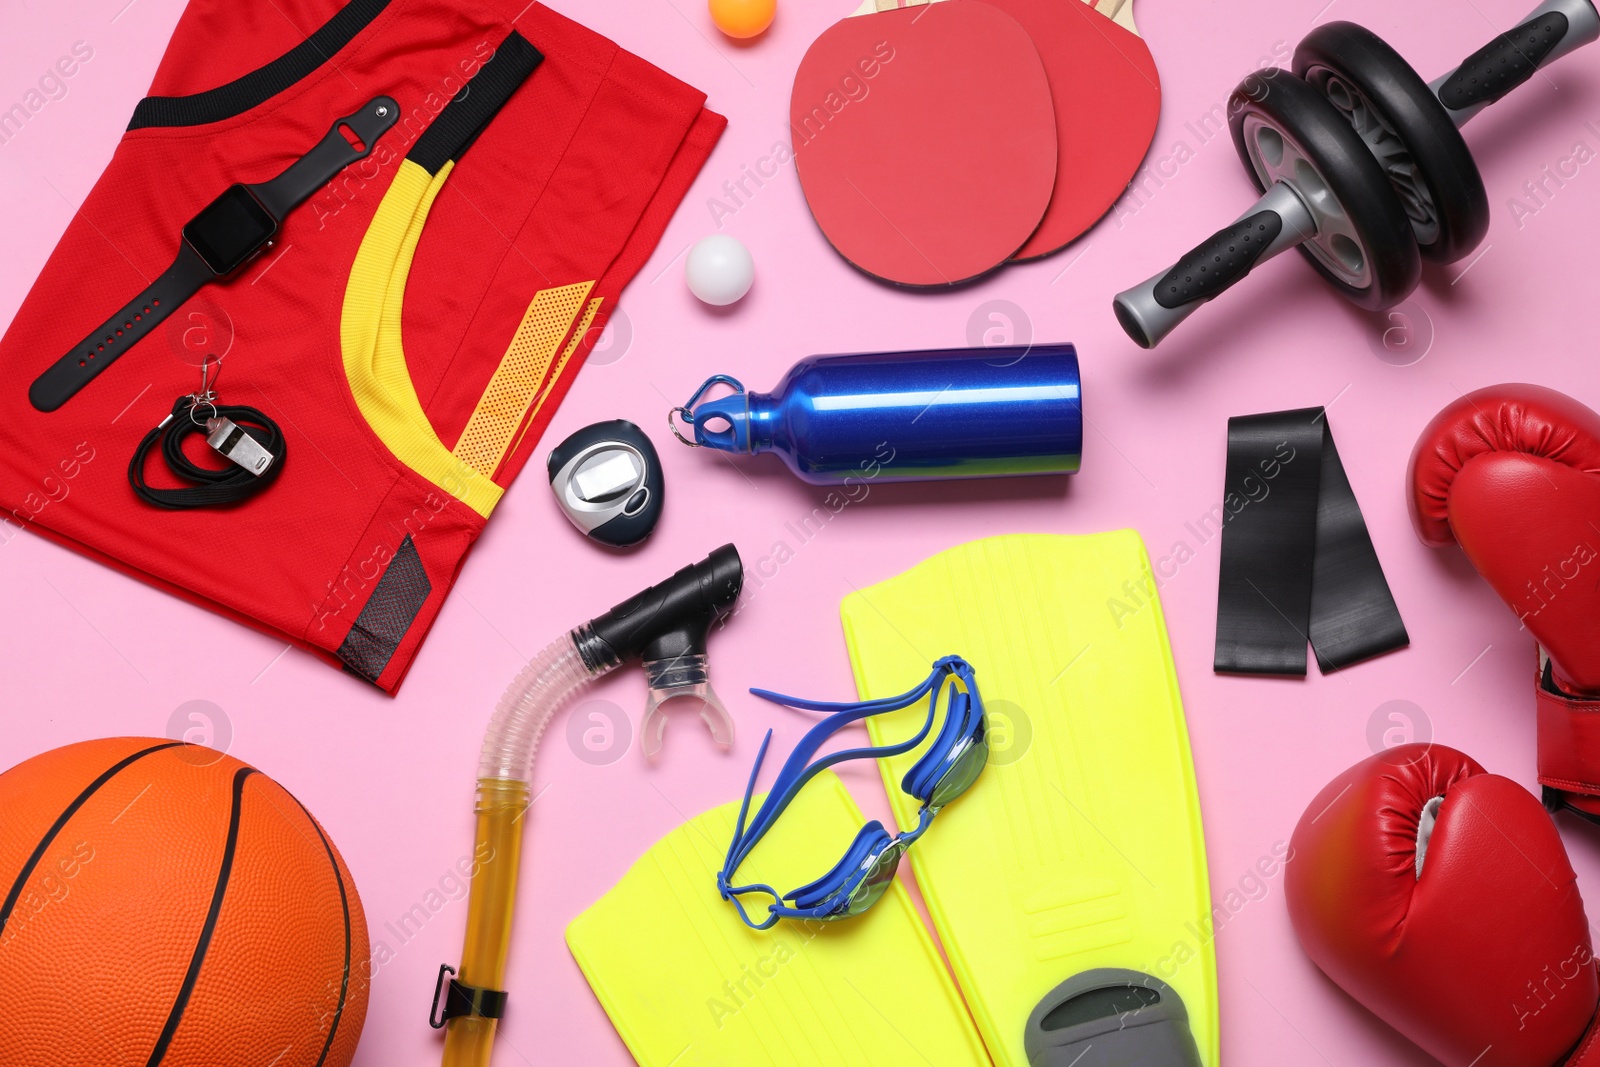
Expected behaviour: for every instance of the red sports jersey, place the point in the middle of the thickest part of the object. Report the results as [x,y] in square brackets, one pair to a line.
[412,330]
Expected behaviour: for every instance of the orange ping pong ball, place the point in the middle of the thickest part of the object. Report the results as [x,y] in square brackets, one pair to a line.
[743,18]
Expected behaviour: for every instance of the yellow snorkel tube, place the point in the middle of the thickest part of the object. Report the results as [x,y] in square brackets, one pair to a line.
[666,626]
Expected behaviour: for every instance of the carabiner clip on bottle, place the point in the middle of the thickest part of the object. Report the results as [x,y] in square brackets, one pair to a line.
[734,409]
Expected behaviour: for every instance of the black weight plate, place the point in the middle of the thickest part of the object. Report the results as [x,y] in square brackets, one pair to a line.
[1435,175]
[1350,172]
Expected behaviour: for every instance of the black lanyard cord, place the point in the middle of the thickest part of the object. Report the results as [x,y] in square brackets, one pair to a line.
[212,486]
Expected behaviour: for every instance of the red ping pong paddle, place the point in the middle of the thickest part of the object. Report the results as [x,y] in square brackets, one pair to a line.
[925,138]
[1107,102]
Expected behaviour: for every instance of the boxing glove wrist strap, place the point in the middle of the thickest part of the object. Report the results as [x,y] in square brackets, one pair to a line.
[1587,1054]
[1569,743]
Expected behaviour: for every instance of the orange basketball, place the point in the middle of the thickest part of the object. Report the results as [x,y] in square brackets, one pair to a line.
[166,904]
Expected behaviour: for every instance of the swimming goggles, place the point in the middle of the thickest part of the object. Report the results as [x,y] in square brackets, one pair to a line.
[949,767]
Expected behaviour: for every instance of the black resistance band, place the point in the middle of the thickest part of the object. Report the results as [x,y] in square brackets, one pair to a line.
[1297,562]
[212,486]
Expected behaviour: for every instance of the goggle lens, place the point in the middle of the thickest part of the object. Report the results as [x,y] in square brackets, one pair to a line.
[880,876]
[964,771]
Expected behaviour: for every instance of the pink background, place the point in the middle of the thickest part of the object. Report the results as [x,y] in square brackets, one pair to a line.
[87,652]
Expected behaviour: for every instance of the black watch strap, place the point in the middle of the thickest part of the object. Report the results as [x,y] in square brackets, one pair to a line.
[332,154]
[351,138]
[138,317]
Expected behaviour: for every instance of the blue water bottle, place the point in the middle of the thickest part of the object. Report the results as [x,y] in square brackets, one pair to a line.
[905,416]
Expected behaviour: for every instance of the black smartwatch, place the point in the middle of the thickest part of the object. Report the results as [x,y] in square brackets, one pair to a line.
[227,234]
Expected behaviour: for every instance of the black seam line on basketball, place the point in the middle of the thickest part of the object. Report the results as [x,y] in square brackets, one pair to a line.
[344,901]
[224,873]
[61,823]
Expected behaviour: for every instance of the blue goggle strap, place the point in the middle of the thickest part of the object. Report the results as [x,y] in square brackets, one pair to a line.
[796,772]
[798,769]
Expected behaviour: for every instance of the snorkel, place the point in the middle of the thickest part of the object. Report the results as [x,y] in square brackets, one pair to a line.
[666,626]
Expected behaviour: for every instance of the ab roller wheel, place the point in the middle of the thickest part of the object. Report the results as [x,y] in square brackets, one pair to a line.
[1419,148]
[1360,164]
[1322,191]
[1358,237]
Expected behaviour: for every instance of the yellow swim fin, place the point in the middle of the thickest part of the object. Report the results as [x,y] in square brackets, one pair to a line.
[687,984]
[1080,846]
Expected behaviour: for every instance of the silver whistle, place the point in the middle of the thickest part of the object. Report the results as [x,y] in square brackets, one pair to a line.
[228,438]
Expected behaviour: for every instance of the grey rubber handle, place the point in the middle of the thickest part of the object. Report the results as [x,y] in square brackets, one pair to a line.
[1551,30]
[1153,309]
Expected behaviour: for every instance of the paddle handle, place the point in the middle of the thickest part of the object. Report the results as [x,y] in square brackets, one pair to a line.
[1118,11]
[1551,30]
[1275,223]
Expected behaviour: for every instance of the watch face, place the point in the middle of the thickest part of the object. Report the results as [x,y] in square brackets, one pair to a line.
[231,229]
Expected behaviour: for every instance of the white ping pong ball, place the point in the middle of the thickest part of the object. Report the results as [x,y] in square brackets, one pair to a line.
[719,269]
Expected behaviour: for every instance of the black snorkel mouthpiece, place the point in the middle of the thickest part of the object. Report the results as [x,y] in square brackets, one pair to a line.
[668,620]
[666,626]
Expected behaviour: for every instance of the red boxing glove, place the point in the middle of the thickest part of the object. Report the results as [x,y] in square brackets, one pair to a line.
[1440,897]
[1512,474]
